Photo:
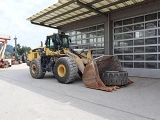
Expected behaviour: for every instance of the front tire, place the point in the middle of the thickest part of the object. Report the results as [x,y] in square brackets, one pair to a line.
[65,70]
[36,69]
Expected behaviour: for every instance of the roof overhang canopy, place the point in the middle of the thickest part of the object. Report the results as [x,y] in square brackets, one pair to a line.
[68,11]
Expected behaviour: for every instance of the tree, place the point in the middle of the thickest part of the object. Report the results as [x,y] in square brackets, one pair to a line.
[22,50]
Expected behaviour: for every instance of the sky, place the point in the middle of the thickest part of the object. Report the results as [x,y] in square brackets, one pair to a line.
[13,15]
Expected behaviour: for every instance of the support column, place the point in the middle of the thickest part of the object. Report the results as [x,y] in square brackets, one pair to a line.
[108,43]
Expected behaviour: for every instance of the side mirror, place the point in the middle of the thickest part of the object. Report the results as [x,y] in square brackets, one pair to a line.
[70,40]
[46,42]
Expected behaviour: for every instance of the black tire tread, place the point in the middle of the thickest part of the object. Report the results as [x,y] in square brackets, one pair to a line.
[40,74]
[71,70]
[118,78]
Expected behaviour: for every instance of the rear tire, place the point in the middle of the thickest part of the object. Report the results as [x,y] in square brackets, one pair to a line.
[118,78]
[65,70]
[36,69]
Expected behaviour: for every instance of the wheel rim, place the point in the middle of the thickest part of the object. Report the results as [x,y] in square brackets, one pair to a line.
[34,68]
[61,70]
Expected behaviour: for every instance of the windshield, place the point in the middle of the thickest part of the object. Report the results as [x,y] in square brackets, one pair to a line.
[65,41]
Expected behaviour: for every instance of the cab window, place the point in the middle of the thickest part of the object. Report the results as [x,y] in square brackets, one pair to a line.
[65,41]
[50,43]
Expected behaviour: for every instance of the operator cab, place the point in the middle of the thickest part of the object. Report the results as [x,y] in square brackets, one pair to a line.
[64,41]
[57,41]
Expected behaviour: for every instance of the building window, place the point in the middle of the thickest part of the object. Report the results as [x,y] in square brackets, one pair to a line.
[91,37]
[151,17]
[137,41]
[138,19]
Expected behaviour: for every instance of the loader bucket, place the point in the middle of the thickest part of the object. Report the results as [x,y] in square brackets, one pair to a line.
[108,63]
[91,72]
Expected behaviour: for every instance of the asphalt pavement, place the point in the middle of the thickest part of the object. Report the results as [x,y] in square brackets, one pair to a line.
[25,98]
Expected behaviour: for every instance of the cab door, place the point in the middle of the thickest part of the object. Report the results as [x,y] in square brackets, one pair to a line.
[50,43]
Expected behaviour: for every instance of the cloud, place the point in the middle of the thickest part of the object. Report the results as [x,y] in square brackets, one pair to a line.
[13,21]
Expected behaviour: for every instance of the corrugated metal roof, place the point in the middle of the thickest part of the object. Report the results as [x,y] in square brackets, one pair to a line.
[68,11]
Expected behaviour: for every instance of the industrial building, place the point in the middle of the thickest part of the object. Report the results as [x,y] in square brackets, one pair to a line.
[129,29]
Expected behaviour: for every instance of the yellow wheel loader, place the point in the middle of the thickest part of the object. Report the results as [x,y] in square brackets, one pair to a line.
[103,73]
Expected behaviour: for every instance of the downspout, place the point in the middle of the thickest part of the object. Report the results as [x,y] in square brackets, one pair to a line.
[108,37]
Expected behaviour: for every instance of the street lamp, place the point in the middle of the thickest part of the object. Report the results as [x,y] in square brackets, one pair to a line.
[15,46]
